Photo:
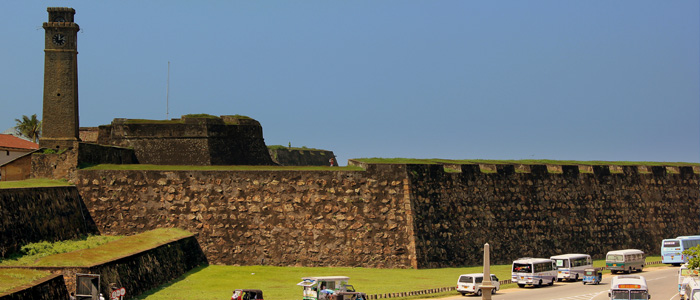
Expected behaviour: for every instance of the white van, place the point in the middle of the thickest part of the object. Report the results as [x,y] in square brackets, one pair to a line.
[471,283]
[683,274]
[632,287]
[533,271]
[692,288]
[571,266]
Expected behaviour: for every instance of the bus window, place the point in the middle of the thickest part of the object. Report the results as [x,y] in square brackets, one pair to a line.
[672,244]
[615,257]
[620,295]
[639,295]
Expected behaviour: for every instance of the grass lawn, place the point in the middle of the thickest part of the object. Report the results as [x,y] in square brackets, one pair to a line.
[38,182]
[108,251]
[34,251]
[12,278]
[218,282]
[220,168]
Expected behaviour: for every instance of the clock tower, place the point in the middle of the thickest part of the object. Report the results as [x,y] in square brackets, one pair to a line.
[60,116]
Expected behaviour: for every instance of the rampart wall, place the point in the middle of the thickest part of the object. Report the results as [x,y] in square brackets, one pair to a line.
[401,216]
[137,273]
[302,157]
[297,218]
[65,163]
[225,140]
[539,214]
[49,288]
[29,215]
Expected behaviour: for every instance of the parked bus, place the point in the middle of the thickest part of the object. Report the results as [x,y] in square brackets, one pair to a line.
[627,260]
[571,266]
[683,273]
[692,289]
[533,271]
[629,287]
[672,249]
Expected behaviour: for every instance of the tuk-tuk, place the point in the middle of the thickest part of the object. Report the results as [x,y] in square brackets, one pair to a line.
[247,294]
[592,276]
[329,288]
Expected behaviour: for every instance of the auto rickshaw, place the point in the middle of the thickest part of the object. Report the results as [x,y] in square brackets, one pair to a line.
[592,276]
[247,294]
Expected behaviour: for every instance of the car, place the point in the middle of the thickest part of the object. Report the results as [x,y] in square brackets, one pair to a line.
[247,294]
[471,283]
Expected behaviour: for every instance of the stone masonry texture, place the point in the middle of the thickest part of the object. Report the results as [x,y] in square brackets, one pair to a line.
[400,216]
[41,214]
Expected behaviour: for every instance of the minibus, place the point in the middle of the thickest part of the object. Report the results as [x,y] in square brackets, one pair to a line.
[533,271]
[627,260]
[571,266]
[629,287]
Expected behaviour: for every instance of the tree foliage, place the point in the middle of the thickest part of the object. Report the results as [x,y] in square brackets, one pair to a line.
[29,127]
[693,255]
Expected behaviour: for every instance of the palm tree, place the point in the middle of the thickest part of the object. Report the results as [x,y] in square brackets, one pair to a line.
[29,127]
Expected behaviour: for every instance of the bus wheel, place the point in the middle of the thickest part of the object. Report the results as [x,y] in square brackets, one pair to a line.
[521,285]
[540,284]
[576,279]
[478,292]
[552,282]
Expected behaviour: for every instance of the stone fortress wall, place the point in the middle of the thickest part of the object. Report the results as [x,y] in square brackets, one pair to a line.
[191,140]
[29,215]
[301,157]
[401,216]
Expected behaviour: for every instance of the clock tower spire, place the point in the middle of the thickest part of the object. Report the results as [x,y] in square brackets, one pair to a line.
[60,127]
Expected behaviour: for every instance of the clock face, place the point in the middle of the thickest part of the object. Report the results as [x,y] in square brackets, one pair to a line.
[59,19]
[59,39]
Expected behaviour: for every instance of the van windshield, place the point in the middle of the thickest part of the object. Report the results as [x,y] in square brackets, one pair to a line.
[466,279]
[615,257]
[562,263]
[522,268]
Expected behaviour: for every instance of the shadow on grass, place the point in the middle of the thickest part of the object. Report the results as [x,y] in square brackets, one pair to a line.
[151,292]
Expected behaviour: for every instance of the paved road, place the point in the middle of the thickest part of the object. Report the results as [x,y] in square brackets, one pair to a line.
[662,281]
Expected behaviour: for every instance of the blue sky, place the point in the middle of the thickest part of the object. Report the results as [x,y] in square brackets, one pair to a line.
[581,80]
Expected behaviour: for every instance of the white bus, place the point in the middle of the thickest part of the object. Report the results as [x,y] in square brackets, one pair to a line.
[629,287]
[533,271]
[627,260]
[571,266]
[672,249]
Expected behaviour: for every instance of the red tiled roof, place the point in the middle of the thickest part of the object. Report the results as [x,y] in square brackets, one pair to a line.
[10,141]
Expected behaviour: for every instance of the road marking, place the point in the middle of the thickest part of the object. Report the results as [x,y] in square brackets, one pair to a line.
[581,297]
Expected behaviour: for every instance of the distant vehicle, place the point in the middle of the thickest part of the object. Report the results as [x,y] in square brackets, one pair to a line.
[692,289]
[632,287]
[592,276]
[672,249]
[683,274]
[627,260]
[571,266]
[533,271]
[327,287]
[471,283]
[247,294]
